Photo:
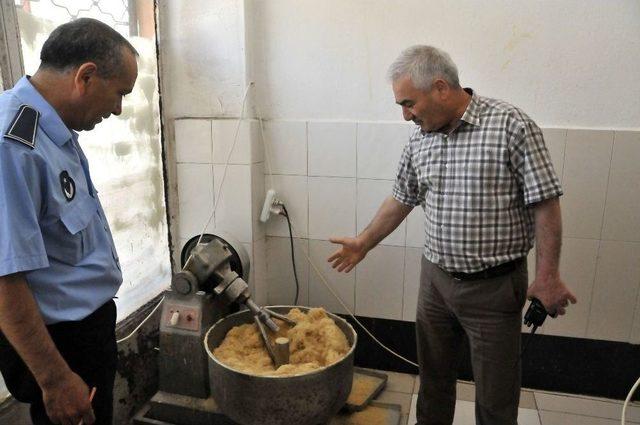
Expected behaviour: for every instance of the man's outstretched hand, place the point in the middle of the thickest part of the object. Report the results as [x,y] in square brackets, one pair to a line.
[350,254]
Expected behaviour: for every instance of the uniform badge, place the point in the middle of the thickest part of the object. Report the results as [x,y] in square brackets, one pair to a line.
[68,186]
[24,126]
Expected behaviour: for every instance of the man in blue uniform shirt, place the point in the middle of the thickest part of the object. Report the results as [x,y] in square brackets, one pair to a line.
[59,270]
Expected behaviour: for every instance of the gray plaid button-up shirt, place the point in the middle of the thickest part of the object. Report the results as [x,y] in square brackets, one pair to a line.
[476,185]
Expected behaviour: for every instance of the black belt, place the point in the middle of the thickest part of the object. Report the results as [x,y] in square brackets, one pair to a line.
[491,272]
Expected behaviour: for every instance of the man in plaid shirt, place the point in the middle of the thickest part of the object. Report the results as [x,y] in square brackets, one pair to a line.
[482,173]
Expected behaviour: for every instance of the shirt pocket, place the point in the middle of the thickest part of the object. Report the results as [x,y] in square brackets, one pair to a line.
[73,239]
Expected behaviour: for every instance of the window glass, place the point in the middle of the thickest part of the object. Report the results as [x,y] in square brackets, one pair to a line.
[124,152]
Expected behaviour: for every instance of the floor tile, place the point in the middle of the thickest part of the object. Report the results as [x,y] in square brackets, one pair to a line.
[402,399]
[528,400]
[555,408]
[466,391]
[586,406]
[412,411]
[398,382]
[465,414]
[405,420]
[528,417]
[556,418]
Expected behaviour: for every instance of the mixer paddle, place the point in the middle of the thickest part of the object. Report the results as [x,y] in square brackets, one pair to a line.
[279,352]
[265,340]
[282,317]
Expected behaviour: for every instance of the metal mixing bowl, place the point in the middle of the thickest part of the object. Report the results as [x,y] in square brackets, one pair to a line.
[306,399]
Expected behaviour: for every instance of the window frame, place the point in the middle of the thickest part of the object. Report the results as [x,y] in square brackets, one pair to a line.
[11,63]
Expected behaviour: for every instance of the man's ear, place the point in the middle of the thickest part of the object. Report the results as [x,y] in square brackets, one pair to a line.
[85,76]
[441,85]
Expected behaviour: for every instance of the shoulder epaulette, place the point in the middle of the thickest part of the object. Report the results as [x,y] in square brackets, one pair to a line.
[24,126]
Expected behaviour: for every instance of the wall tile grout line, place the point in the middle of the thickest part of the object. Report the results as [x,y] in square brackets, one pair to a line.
[606,192]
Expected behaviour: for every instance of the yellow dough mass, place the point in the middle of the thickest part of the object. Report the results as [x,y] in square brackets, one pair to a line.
[314,342]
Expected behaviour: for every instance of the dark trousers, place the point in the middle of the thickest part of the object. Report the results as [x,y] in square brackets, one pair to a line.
[88,346]
[489,312]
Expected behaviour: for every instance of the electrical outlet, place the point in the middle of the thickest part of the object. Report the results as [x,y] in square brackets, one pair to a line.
[267,207]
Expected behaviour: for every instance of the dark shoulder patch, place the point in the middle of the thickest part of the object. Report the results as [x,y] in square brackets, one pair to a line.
[24,126]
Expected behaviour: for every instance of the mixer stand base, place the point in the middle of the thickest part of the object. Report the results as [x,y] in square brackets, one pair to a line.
[175,409]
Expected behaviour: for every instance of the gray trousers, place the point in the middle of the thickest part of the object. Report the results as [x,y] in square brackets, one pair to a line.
[489,312]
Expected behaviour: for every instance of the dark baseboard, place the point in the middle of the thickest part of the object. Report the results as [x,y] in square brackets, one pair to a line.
[551,363]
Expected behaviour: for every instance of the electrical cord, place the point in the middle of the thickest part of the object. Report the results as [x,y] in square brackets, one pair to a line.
[526,345]
[535,317]
[224,172]
[141,323]
[626,401]
[285,213]
[337,297]
[213,211]
[322,278]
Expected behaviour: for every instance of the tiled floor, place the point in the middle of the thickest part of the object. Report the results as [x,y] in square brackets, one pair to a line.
[536,407]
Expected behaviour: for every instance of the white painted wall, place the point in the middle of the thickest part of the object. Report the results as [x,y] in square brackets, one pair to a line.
[569,64]
[206,73]
[203,49]
[335,136]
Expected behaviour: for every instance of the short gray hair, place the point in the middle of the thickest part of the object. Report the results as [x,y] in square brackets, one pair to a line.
[85,40]
[424,64]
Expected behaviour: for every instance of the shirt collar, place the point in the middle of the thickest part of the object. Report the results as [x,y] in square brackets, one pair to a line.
[472,113]
[50,121]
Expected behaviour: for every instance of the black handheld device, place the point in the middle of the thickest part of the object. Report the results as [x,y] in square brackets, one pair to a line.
[536,313]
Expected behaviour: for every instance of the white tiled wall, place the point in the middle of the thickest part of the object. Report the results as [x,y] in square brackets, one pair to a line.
[412,258]
[556,140]
[193,141]
[287,146]
[245,140]
[294,192]
[258,278]
[332,176]
[380,283]
[377,144]
[585,175]
[332,149]
[415,228]
[258,192]
[332,207]
[195,188]
[202,148]
[233,212]
[615,291]
[578,269]
[635,331]
[622,208]
[342,284]
[281,289]
[371,193]
[324,162]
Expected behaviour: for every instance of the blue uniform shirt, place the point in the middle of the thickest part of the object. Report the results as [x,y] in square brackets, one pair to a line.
[52,226]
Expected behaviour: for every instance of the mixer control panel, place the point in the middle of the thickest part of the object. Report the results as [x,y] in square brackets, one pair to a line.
[182,317]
